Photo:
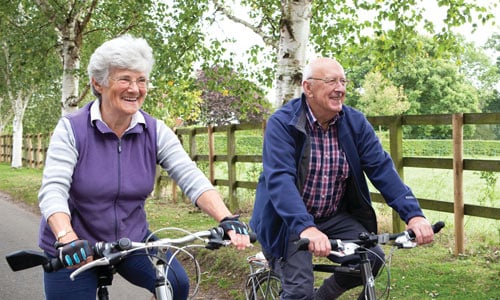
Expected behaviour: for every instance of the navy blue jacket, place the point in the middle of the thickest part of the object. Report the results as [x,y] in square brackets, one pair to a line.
[279,209]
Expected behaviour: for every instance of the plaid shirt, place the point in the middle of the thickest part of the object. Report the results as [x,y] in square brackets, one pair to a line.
[328,169]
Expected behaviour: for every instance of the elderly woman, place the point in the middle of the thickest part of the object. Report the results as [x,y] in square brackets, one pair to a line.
[100,168]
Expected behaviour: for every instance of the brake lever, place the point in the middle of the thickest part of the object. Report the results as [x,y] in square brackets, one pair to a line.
[104,261]
[404,241]
[344,249]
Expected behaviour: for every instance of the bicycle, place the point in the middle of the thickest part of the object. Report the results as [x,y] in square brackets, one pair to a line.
[108,254]
[263,283]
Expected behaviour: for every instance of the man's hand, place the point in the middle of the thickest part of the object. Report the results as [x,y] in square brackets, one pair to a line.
[422,229]
[319,244]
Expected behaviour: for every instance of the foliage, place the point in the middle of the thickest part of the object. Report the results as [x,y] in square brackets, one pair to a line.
[177,32]
[488,190]
[380,97]
[432,83]
[174,100]
[28,74]
[394,27]
[229,98]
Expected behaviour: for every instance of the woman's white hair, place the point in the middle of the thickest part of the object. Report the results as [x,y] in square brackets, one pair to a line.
[123,52]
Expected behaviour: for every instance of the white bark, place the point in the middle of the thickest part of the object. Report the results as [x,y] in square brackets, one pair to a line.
[292,50]
[71,64]
[70,35]
[19,99]
[69,95]
[19,105]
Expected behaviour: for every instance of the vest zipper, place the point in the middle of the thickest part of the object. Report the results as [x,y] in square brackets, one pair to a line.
[118,185]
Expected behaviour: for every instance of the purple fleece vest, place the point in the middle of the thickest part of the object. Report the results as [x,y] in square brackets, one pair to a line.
[112,179]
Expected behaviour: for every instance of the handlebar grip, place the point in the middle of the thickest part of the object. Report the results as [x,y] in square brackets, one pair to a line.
[253,237]
[53,265]
[303,244]
[436,228]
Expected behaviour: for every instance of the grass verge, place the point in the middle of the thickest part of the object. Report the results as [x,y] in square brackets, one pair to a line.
[428,272]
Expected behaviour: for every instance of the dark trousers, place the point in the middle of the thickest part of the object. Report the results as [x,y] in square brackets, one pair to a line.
[296,271]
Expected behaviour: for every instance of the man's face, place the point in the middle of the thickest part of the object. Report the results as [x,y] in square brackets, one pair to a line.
[325,90]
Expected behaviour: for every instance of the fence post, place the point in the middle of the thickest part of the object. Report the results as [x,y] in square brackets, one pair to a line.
[2,146]
[396,149]
[458,171]
[211,154]
[30,151]
[231,168]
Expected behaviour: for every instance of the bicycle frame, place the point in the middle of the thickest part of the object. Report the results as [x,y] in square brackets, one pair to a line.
[360,248]
[107,255]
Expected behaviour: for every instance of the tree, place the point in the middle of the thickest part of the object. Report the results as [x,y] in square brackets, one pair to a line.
[337,25]
[229,98]
[380,97]
[22,44]
[69,19]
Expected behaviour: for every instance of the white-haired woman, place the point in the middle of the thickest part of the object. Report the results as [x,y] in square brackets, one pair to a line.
[100,168]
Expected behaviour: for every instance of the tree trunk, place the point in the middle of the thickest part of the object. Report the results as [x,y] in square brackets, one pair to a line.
[71,66]
[17,130]
[294,37]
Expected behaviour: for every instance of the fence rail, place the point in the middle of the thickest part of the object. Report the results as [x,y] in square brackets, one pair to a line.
[35,147]
[395,124]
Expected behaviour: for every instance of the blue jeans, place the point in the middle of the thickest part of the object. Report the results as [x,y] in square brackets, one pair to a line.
[296,273]
[136,269]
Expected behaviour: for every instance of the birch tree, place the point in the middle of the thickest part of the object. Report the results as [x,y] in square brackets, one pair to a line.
[292,49]
[331,27]
[22,44]
[69,18]
[18,99]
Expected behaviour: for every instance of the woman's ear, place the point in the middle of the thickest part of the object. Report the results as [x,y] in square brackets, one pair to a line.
[97,85]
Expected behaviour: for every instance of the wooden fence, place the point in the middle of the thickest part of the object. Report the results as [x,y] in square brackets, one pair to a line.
[35,146]
[395,124]
[34,149]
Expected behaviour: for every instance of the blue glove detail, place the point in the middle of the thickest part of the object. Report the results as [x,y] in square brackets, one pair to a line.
[74,253]
[233,223]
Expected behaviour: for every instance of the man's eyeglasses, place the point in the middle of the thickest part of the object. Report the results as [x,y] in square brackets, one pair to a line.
[332,81]
[127,82]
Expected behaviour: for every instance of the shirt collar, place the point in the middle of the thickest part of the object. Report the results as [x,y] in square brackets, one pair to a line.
[95,114]
[312,119]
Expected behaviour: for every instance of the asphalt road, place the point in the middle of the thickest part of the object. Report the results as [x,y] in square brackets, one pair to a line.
[19,231]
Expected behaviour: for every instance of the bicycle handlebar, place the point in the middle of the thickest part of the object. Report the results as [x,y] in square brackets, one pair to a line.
[109,253]
[402,240]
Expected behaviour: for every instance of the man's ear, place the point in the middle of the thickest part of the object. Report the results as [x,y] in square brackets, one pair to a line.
[306,86]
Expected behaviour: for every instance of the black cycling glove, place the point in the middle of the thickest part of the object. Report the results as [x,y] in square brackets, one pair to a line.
[233,223]
[74,253]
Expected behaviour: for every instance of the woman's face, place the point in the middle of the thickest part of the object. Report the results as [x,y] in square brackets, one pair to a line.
[125,92]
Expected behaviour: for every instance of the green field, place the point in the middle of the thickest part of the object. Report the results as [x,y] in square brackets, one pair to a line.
[429,272]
